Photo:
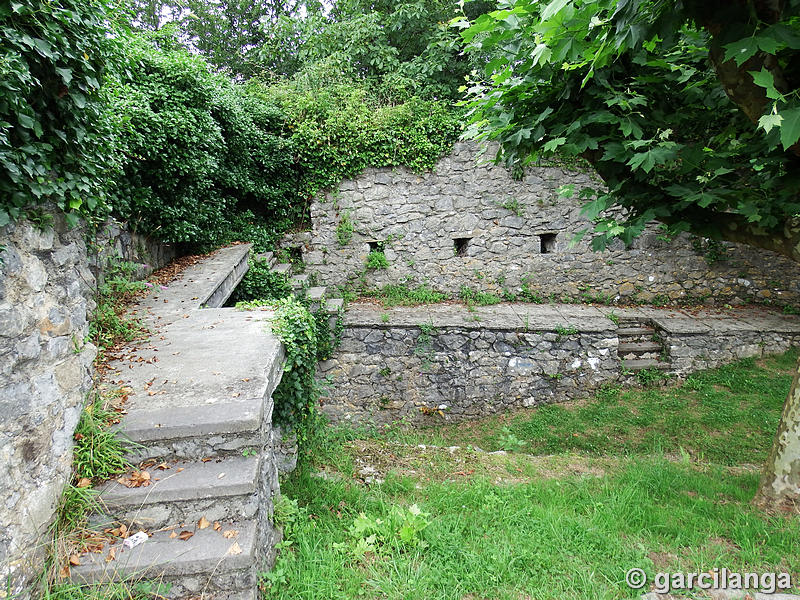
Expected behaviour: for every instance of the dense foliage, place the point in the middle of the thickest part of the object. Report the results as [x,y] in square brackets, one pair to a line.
[197,149]
[181,151]
[55,142]
[634,87]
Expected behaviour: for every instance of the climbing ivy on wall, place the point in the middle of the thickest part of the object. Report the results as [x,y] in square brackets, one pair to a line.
[296,396]
[56,140]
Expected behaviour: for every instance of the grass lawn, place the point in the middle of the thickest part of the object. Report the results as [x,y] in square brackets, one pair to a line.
[658,478]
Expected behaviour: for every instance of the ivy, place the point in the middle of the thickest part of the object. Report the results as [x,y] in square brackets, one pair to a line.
[296,396]
[56,138]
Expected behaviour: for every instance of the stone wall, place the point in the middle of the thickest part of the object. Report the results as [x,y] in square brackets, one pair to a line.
[46,294]
[467,223]
[445,362]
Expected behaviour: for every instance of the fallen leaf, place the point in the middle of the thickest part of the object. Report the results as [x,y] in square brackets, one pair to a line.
[173,535]
[217,526]
[235,549]
[75,560]
[64,572]
[112,554]
[206,459]
[185,535]
[230,533]
[221,475]
[203,523]
[84,482]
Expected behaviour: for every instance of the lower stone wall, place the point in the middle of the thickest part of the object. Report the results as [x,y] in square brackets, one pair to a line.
[46,295]
[429,364]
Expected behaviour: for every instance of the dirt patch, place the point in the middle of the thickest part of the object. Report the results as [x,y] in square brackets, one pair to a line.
[375,460]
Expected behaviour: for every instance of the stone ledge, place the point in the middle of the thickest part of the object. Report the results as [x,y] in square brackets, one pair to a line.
[196,480]
[206,552]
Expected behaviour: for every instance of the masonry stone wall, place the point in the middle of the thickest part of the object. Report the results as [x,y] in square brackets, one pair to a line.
[468,223]
[428,364]
[46,295]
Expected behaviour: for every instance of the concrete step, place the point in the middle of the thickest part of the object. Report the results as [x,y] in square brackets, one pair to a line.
[635,331]
[315,297]
[638,347]
[267,257]
[184,492]
[194,432]
[646,363]
[282,269]
[210,562]
[334,305]
[316,294]
[631,322]
[299,282]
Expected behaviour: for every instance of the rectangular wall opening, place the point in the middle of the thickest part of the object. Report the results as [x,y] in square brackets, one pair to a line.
[547,243]
[375,246]
[460,246]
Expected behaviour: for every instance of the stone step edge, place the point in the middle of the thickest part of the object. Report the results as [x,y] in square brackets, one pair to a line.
[633,331]
[196,480]
[228,281]
[206,552]
[187,422]
[625,347]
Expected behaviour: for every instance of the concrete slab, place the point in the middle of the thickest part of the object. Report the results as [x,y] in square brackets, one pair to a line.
[211,356]
[184,481]
[206,552]
[185,422]
[197,285]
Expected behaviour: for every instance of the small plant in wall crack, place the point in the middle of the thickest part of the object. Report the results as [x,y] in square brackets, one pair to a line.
[344,229]
[562,331]
[376,261]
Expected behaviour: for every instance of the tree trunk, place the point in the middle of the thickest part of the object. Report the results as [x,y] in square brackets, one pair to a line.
[780,480]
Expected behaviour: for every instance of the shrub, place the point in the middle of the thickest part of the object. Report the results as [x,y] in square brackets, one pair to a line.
[199,150]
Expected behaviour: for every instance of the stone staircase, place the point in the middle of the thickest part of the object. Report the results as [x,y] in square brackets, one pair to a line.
[640,347]
[300,283]
[199,425]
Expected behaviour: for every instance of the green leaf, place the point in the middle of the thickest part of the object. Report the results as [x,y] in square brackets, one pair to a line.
[25,120]
[764,78]
[767,122]
[741,50]
[551,9]
[790,127]
[66,74]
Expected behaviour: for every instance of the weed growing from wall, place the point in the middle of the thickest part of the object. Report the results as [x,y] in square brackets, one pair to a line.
[108,324]
[376,261]
[344,229]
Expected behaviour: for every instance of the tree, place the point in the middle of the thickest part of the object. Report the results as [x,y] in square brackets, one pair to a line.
[689,111]
[399,49]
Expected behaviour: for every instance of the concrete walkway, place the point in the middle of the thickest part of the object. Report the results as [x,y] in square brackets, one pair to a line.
[199,414]
[529,317]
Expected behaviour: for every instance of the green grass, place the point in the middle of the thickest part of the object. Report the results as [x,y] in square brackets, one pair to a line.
[403,295]
[727,415]
[647,478]
[117,591]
